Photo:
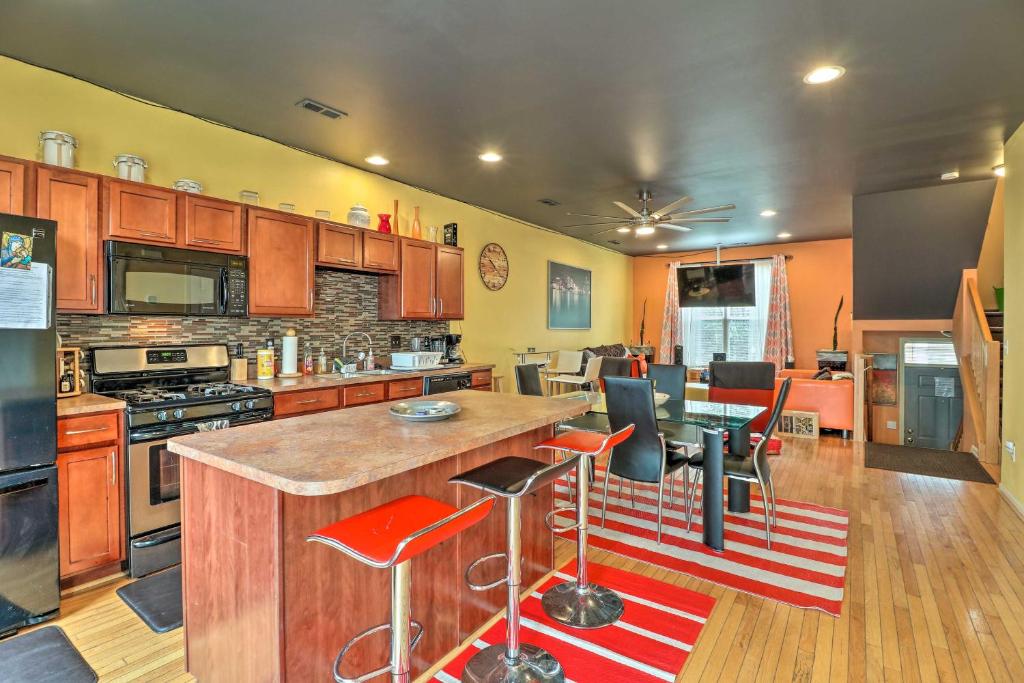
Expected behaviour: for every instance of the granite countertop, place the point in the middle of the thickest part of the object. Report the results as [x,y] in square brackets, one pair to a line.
[87,403]
[325,453]
[280,384]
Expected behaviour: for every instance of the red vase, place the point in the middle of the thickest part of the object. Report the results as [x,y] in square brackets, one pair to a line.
[385,222]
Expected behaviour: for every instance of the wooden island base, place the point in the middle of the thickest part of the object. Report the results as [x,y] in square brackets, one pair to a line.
[262,604]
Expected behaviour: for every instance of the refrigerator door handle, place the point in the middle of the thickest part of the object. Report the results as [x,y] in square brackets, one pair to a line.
[23,486]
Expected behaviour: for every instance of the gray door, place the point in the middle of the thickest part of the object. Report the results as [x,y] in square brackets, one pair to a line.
[933,406]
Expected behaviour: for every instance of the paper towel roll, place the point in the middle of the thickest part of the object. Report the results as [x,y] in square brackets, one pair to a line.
[289,354]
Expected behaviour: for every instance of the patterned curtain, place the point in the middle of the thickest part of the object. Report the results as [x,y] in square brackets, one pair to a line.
[670,328]
[778,339]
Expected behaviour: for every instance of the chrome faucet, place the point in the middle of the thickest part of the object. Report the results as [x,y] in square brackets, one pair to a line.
[344,344]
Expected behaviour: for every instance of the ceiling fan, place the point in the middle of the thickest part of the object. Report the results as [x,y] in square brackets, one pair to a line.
[644,221]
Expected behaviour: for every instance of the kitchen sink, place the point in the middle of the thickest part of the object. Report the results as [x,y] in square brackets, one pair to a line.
[377,372]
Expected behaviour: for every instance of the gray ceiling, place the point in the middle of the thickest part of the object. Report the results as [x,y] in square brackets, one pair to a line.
[587,99]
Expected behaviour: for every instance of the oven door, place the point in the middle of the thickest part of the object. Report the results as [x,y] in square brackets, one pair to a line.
[154,287]
[154,487]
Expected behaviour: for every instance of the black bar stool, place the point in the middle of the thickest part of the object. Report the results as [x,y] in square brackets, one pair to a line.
[580,603]
[514,662]
[388,537]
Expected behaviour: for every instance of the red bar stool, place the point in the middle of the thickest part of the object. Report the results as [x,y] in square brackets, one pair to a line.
[389,536]
[514,662]
[579,603]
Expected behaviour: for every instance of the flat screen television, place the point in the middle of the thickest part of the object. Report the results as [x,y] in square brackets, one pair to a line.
[729,284]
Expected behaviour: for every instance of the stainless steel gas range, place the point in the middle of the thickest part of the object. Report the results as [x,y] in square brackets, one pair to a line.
[170,390]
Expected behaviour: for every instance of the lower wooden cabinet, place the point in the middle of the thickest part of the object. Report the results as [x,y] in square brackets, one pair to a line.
[288,404]
[89,508]
[361,394]
[480,380]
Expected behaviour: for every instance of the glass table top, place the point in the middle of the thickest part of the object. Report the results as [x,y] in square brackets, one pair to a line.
[697,413]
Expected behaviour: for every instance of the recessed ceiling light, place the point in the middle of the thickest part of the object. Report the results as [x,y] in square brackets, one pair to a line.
[785,235]
[623,229]
[377,160]
[950,175]
[999,170]
[824,74]
[491,157]
[645,230]
[768,213]
[662,246]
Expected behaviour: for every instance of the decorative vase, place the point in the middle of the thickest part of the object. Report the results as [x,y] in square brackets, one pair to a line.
[398,225]
[358,216]
[417,231]
[385,222]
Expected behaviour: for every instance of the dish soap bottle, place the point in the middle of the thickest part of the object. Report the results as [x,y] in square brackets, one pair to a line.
[265,361]
[321,362]
[307,359]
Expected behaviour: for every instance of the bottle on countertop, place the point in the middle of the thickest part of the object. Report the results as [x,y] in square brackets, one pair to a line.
[265,361]
[321,362]
[307,359]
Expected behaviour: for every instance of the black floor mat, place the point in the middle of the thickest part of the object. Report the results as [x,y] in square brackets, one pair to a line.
[926,461]
[43,656]
[156,599]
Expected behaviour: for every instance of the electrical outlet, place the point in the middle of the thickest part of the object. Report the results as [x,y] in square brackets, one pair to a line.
[396,341]
[1011,450]
[890,424]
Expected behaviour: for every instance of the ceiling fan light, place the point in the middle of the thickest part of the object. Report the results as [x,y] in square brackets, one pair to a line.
[645,230]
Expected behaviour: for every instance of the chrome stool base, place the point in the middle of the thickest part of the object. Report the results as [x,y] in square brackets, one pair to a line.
[534,665]
[594,607]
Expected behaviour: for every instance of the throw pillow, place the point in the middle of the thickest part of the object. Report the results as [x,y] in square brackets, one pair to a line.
[824,373]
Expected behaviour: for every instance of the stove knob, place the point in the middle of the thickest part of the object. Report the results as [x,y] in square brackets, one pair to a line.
[236,406]
[250,404]
[178,413]
[161,415]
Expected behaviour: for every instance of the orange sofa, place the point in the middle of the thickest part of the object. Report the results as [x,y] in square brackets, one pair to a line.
[831,399]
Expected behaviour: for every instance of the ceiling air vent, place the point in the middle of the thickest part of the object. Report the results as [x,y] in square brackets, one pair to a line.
[549,202]
[320,108]
[614,242]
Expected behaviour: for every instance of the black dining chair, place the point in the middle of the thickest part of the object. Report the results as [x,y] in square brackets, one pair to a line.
[528,380]
[668,379]
[643,457]
[754,469]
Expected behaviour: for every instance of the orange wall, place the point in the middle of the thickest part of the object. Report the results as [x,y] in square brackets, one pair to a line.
[819,273]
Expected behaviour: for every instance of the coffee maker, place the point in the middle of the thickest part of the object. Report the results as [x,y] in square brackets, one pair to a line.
[452,352]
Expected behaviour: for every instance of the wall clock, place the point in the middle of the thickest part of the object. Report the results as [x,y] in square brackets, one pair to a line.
[493,266]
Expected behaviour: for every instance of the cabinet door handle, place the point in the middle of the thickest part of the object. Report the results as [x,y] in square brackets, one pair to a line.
[311,300]
[152,234]
[92,288]
[440,302]
[203,240]
[76,432]
[113,468]
[308,401]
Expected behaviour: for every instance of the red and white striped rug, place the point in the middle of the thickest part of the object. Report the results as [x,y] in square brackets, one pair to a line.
[806,566]
[650,642]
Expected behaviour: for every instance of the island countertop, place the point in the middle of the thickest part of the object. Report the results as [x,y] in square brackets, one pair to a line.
[327,453]
[283,384]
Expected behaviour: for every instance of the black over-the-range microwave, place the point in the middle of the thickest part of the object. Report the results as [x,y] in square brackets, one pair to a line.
[152,280]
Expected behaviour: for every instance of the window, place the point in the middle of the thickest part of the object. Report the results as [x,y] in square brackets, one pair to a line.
[938,352]
[736,331]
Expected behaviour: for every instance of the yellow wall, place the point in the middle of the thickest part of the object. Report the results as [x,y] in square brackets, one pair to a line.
[227,161]
[990,261]
[1012,473]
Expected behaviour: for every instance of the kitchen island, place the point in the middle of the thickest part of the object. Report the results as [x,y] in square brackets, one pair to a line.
[262,604]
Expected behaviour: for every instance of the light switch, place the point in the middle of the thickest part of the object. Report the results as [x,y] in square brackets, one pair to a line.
[1011,450]
[890,424]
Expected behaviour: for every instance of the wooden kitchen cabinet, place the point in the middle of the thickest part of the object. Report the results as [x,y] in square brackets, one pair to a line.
[339,245]
[213,224]
[361,394]
[140,213]
[405,388]
[480,380]
[281,256]
[291,403]
[380,251]
[90,508]
[72,199]
[12,186]
[428,286]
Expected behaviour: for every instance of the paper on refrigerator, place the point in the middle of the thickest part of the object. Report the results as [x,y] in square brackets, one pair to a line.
[25,297]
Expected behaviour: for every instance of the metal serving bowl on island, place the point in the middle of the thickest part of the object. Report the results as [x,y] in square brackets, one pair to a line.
[425,410]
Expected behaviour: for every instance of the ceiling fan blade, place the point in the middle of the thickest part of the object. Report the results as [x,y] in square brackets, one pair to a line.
[685,219]
[590,225]
[666,210]
[680,228]
[710,209]
[628,209]
[594,215]
[601,232]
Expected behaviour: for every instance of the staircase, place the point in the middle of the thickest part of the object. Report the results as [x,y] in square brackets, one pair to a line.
[994,318]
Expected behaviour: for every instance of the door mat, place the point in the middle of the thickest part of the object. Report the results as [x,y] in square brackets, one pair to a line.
[650,642]
[927,461]
[43,656]
[156,599]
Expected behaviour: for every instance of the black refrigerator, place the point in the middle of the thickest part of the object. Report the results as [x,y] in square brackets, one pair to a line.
[29,567]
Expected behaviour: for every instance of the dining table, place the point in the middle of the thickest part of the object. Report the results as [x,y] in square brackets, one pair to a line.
[713,421]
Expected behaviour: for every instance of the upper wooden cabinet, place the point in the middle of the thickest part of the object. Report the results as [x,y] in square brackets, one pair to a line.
[141,213]
[346,246]
[72,199]
[281,254]
[12,186]
[428,286]
[213,224]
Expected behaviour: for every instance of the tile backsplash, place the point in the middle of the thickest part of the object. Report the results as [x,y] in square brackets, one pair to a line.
[345,302]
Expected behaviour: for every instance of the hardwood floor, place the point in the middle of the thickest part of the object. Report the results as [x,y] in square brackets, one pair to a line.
[934,591]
